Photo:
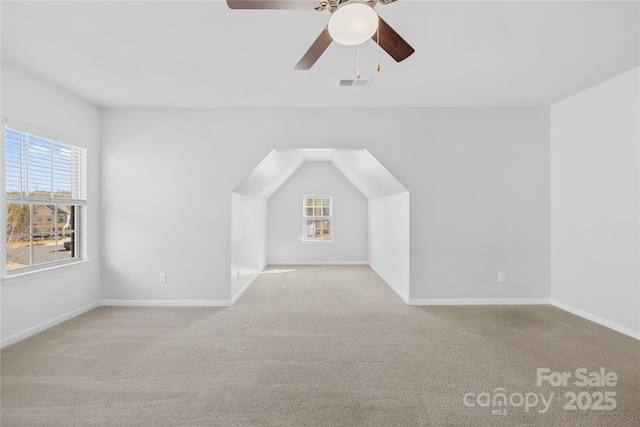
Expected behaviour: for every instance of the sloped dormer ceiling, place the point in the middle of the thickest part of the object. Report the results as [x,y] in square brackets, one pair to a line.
[363,170]
[273,171]
[366,173]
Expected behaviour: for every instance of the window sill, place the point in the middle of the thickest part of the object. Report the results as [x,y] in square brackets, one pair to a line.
[36,273]
[318,242]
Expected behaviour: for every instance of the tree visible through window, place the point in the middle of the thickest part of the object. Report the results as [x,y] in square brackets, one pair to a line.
[45,180]
[317,218]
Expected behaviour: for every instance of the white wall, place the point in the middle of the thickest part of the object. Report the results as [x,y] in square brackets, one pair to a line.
[478,179]
[595,210]
[248,241]
[167,187]
[40,301]
[389,241]
[479,185]
[349,218]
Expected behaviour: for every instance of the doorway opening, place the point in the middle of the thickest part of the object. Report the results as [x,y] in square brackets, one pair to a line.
[387,201]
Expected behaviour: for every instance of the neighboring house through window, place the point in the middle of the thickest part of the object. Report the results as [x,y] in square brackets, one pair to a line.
[317,218]
[45,181]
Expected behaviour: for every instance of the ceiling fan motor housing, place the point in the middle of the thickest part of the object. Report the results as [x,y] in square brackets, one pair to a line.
[353,22]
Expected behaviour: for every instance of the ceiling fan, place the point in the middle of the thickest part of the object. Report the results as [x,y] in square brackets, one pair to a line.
[346,15]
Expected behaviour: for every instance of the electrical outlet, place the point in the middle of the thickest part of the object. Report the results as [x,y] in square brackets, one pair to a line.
[163,278]
[501,276]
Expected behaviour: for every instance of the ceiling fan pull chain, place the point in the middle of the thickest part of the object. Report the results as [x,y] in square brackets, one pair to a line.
[358,72]
[378,48]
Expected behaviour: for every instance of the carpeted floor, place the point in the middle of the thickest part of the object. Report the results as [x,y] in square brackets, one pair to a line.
[319,346]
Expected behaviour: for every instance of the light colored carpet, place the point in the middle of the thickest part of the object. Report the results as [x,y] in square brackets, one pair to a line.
[317,346]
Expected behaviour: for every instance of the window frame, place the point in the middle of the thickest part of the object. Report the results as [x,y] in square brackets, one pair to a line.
[74,197]
[59,234]
[320,217]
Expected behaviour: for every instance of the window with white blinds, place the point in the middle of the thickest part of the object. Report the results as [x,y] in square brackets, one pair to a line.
[46,190]
[40,169]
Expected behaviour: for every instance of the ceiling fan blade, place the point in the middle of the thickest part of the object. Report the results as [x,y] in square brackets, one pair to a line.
[317,48]
[392,43]
[273,4]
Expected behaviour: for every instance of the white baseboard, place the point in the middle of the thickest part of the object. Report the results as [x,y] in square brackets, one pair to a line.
[480,301]
[596,319]
[46,325]
[318,263]
[246,286]
[391,285]
[164,303]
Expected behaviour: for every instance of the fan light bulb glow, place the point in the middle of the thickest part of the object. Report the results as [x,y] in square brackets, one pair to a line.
[353,23]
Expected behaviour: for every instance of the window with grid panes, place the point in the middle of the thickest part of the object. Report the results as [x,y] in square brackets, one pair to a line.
[317,218]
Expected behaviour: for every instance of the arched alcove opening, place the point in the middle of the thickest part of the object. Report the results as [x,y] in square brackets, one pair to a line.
[387,219]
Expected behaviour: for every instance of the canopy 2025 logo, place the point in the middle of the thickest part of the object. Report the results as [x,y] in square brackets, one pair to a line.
[500,401]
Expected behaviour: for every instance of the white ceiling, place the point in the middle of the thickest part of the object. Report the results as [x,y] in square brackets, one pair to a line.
[202,54]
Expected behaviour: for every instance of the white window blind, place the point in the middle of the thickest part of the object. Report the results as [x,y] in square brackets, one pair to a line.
[40,169]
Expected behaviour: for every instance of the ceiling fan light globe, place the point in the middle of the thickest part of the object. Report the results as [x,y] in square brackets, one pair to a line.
[353,23]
